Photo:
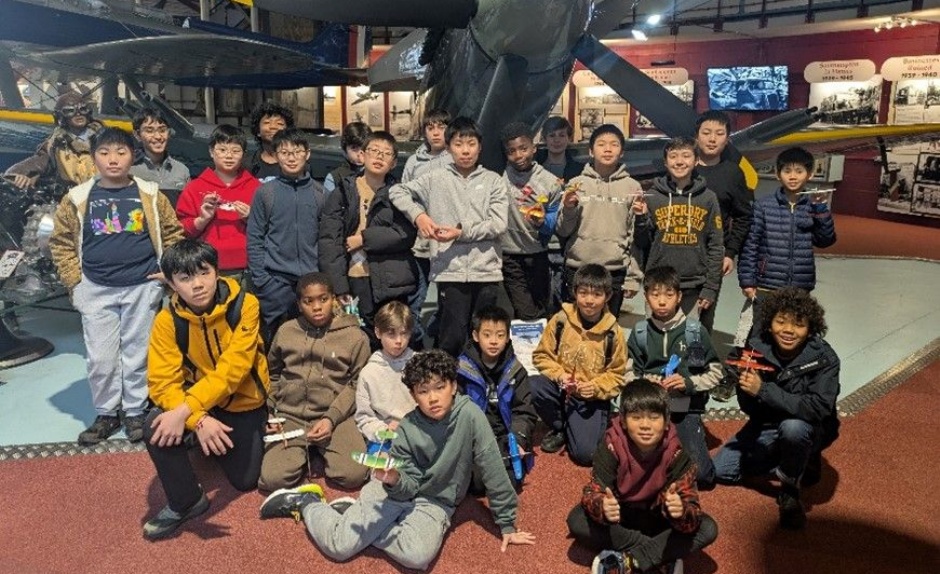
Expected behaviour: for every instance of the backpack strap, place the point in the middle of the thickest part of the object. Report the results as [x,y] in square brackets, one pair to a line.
[693,340]
[181,332]
[641,332]
[608,346]
[559,329]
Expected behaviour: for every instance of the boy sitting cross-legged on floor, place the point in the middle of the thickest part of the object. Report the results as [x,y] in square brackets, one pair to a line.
[406,511]
[641,507]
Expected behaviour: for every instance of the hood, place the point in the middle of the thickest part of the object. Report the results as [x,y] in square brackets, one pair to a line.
[210,178]
[340,321]
[226,291]
[461,402]
[666,326]
[472,351]
[606,323]
[666,186]
[380,359]
[620,173]
[813,349]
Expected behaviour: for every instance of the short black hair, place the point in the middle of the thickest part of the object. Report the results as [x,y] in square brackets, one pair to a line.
[555,123]
[228,134]
[463,127]
[435,116]
[188,256]
[382,135]
[681,142]
[513,131]
[267,109]
[607,129]
[354,134]
[425,366]
[797,302]
[492,313]
[716,116]
[291,136]
[796,156]
[644,396]
[148,113]
[664,276]
[111,136]
[592,276]
[314,278]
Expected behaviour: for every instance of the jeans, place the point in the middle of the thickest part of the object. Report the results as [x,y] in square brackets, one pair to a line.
[783,447]
[692,437]
[416,301]
[583,422]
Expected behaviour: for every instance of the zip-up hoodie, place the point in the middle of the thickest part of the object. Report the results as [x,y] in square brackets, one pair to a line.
[223,357]
[528,189]
[227,230]
[600,228]
[314,370]
[479,203]
[439,457]
[282,239]
[422,161]
[381,396]
[684,228]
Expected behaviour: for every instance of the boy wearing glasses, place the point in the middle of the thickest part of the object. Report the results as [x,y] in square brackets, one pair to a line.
[365,243]
[214,207]
[152,162]
[65,158]
[283,227]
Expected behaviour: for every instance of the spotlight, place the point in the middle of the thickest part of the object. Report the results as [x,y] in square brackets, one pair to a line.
[654,19]
[639,35]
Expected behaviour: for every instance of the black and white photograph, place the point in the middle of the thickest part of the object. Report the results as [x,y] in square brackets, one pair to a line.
[847,103]
[915,102]
[749,88]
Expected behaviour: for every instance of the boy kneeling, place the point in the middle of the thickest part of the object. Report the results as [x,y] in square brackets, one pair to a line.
[406,512]
[641,504]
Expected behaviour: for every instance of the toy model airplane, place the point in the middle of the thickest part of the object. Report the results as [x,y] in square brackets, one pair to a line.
[750,361]
[376,455]
[671,366]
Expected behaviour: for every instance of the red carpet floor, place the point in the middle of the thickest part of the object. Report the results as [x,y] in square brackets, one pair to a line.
[874,237]
[876,510]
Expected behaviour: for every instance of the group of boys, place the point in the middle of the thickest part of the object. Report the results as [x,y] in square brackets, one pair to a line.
[225,367]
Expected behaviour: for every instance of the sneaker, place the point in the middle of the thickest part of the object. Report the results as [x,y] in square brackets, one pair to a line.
[167,520]
[611,562]
[792,515]
[342,504]
[134,427]
[672,568]
[723,391]
[554,441]
[290,502]
[103,427]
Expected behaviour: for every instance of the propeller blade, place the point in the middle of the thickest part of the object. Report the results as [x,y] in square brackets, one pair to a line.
[607,15]
[501,106]
[399,69]
[410,13]
[670,114]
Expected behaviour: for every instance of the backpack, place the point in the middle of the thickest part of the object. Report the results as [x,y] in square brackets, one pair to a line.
[233,314]
[608,340]
[695,350]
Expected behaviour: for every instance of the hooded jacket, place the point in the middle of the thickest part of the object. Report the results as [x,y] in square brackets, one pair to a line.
[684,231]
[479,203]
[65,243]
[734,198]
[439,457]
[422,161]
[314,370]
[779,248]
[600,228]
[381,396]
[535,187]
[223,357]
[227,231]
[573,167]
[582,352]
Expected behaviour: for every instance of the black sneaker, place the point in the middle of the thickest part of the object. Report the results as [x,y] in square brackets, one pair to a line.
[290,502]
[134,427]
[167,520]
[554,441]
[103,427]
[792,516]
[612,562]
[342,504]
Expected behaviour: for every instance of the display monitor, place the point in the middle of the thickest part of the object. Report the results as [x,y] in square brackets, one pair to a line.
[748,88]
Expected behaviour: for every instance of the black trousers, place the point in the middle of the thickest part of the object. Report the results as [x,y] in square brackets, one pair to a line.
[528,284]
[361,287]
[689,302]
[456,304]
[241,464]
[616,295]
[644,534]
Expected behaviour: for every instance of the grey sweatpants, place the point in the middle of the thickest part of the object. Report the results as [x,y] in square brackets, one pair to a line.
[116,324]
[411,532]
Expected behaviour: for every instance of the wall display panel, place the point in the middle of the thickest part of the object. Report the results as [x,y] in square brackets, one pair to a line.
[685,92]
[910,183]
[597,104]
[915,101]
[852,103]
[403,115]
[749,88]
[364,106]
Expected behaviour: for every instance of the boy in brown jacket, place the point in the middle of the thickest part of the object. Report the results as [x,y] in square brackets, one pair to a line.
[314,363]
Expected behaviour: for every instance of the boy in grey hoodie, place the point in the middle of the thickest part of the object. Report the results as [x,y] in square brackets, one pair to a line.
[462,208]
[406,511]
[681,226]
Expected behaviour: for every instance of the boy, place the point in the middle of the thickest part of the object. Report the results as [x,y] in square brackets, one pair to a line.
[641,506]
[107,240]
[266,121]
[315,361]
[365,243]
[352,141]
[462,208]
[489,374]
[407,511]
[534,198]
[214,393]
[652,344]
[153,163]
[791,410]
[382,400]
[596,218]
[282,230]
[682,222]
[556,157]
[214,207]
[582,360]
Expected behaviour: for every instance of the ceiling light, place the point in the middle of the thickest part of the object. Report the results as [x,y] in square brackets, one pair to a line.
[654,19]
[895,22]
[639,35]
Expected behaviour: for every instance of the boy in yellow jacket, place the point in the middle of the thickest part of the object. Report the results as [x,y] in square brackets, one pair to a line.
[208,377]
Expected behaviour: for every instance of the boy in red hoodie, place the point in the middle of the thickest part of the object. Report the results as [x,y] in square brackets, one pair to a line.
[641,507]
[214,207]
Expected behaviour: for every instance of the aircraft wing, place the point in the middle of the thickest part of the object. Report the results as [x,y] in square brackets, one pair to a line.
[410,13]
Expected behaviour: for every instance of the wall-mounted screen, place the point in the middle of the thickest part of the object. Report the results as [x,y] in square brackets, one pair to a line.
[748,88]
